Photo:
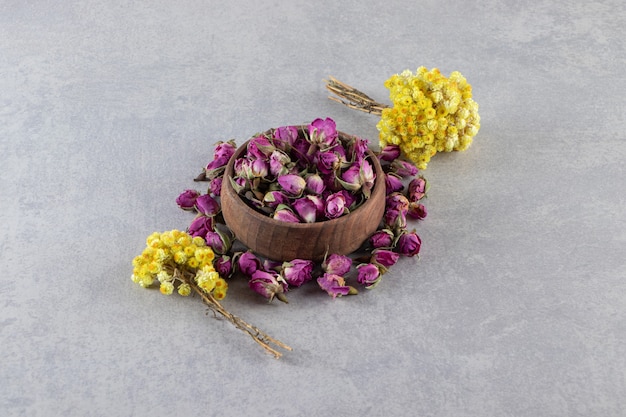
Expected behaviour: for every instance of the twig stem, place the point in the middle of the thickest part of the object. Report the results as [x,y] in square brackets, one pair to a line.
[353,98]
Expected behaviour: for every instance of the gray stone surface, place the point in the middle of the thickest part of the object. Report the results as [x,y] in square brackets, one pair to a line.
[517,306]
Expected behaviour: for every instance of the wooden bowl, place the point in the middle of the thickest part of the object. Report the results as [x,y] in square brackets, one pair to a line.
[284,241]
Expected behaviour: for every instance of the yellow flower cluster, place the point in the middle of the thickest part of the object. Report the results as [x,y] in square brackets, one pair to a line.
[430,114]
[173,258]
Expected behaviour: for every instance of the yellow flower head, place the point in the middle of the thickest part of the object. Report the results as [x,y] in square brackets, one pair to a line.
[173,259]
[443,105]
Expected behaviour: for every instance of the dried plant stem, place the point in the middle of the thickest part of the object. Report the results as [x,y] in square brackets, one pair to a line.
[353,98]
[257,335]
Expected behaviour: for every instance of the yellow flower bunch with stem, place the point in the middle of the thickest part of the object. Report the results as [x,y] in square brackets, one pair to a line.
[430,113]
[177,261]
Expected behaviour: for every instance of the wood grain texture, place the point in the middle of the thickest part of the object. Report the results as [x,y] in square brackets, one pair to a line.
[283,241]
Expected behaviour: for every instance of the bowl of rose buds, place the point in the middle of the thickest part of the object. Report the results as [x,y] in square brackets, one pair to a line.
[302,192]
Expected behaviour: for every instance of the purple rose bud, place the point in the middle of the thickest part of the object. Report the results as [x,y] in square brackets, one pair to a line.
[269,285]
[393,183]
[205,204]
[298,271]
[218,241]
[417,189]
[323,133]
[366,172]
[326,162]
[242,168]
[396,208]
[187,199]
[221,155]
[216,167]
[306,209]
[382,239]
[224,150]
[278,163]
[334,285]
[275,198]
[215,186]
[357,148]
[223,265]
[284,214]
[314,184]
[349,197]
[319,204]
[351,178]
[259,148]
[389,153]
[368,274]
[200,226]
[285,136]
[292,184]
[299,151]
[403,168]
[335,206]
[384,258]
[248,263]
[259,168]
[337,264]
[417,211]
[409,244]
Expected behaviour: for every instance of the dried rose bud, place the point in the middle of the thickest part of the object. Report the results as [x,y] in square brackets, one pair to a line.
[393,183]
[357,148]
[206,205]
[298,271]
[335,285]
[323,133]
[368,275]
[241,168]
[417,211]
[368,177]
[396,208]
[219,241]
[248,263]
[382,239]
[403,168]
[389,153]
[187,199]
[259,148]
[335,206]
[293,184]
[269,285]
[337,264]
[200,226]
[224,150]
[223,265]
[384,258]
[306,209]
[349,197]
[314,184]
[285,136]
[351,178]
[409,244]
[215,186]
[326,162]
[417,188]
[285,214]
[275,198]
[259,168]
[279,162]
[221,155]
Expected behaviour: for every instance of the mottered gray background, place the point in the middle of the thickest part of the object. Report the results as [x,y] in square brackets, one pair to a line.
[516,307]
